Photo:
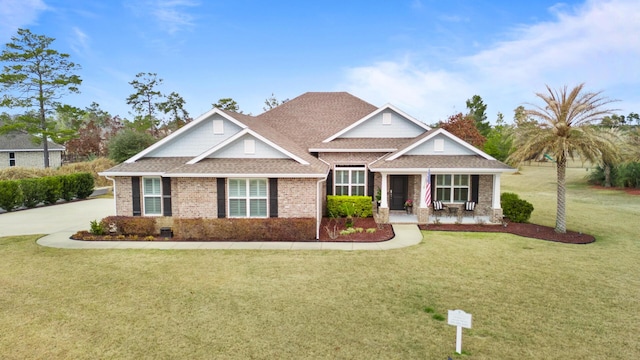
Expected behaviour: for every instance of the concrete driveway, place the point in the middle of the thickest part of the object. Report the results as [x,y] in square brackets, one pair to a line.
[67,217]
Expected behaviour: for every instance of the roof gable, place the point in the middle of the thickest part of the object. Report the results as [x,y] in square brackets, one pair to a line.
[21,141]
[439,142]
[236,147]
[195,137]
[385,122]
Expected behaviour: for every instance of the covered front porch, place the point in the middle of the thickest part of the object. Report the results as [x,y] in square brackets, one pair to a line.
[453,189]
[401,217]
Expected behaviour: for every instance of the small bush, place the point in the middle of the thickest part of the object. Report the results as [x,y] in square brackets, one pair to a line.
[69,187]
[33,191]
[96,228]
[340,205]
[10,195]
[516,209]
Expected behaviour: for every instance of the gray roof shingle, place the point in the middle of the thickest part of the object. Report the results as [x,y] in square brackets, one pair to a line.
[19,140]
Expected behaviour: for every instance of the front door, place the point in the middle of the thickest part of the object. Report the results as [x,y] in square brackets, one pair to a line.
[398,191]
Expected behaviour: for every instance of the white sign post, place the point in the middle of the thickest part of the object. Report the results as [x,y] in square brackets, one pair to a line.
[459,319]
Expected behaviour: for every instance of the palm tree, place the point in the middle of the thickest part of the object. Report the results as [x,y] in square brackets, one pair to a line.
[564,130]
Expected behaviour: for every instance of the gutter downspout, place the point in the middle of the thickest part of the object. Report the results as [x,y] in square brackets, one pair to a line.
[115,198]
[319,207]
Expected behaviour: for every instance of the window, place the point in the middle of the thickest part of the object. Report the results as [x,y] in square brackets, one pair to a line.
[12,159]
[249,146]
[247,197]
[152,194]
[218,127]
[386,118]
[350,181]
[452,188]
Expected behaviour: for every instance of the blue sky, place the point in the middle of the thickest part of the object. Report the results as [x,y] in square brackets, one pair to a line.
[424,56]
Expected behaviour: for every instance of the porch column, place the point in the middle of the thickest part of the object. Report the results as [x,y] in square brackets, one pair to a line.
[496,192]
[384,191]
[423,188]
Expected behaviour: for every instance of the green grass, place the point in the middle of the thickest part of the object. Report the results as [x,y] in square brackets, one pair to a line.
[530,299]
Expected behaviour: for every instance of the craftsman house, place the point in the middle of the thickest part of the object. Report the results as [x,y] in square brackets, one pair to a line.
[284,162]
[17,148]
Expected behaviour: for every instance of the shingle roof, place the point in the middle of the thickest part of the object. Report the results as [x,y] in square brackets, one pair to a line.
[21,141]
[363,144]
[440,162]
[314,116]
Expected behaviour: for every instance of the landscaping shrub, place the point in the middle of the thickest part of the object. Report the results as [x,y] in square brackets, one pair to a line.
[270,229]
[516,209]
[53,189]
[360,205]
[96,228]
[84,184]
[10,195]
[130,225]
[69,187]
[33,191]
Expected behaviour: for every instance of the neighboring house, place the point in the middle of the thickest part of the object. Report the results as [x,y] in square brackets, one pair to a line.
[18,149]
[285,161]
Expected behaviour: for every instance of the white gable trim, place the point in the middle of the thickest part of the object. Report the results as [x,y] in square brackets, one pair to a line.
[435,171]
[183,129]
[431,136]
[346,150]
[379,110]
[239,135]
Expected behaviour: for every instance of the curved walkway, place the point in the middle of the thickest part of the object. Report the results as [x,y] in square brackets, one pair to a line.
[63,220]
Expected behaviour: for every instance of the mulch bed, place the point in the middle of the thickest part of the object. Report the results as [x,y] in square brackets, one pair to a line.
[527,230]
[383,232]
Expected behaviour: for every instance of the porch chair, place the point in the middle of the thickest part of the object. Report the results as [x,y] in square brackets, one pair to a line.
[470,207]
[437,208]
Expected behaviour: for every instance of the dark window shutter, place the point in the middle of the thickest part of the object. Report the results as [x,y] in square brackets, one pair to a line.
[475,184]
[370,182]
[166,196]
[273,197]
[330,183]
[222,211]
[433,188]
[135,195]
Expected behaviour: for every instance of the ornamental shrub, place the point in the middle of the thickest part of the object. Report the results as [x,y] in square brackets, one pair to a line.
[516,209]
[130,225]
[269,229]
[10,195]
[53,189]
[84,184]
[343,205]
[33,191]
[69,187]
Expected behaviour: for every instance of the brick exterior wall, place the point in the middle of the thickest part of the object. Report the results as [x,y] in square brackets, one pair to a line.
[197,198]
[194,197]
[123,192]
[297,198]
[31,159]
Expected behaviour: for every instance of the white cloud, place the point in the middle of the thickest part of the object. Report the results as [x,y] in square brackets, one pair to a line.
[80,42]
[15,14]
[595,42]
[172,15]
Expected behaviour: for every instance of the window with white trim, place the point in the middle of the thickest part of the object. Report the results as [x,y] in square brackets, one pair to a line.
[152,195]
[248,197]
[218,127]
[452,188]
[350,181]
[12,159]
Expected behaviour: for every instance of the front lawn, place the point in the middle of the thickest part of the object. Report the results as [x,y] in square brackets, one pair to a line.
[530,299]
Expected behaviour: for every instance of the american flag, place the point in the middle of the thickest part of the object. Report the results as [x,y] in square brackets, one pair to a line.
[427,189]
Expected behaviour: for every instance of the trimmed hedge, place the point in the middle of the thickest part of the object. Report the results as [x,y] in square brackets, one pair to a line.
[341,205]
[516,209]
[10,194]
[269,229]
[129,225]
[48,190]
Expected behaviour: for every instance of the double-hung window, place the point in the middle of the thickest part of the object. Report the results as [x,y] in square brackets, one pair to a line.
[152,194]
[350,181]
[12,159]
[248,197]
[452,188]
